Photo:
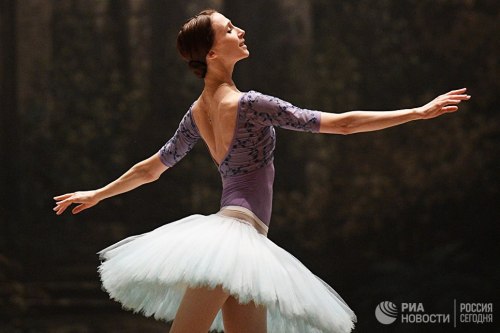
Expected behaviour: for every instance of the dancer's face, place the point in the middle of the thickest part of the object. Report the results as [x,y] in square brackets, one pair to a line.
[229,44]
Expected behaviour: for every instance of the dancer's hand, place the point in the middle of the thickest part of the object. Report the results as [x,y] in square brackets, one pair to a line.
[443,104]
[85,199]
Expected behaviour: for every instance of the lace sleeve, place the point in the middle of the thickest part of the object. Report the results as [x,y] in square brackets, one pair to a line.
[181,143]
[272,111]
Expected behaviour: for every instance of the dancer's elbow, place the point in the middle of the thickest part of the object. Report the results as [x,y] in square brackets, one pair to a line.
[150,169]
[335,124]
[143,173]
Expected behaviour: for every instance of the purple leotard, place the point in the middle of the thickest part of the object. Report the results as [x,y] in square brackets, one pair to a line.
[247,170]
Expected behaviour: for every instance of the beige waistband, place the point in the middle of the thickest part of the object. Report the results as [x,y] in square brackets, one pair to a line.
[244,215]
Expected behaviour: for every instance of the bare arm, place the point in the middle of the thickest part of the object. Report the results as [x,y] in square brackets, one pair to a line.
[366,121]
[143,172]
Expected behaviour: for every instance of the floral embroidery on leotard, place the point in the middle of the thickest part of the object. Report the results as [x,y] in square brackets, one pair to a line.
[182,142]
[253,147]
[255,138]
[247,171]
[272,111]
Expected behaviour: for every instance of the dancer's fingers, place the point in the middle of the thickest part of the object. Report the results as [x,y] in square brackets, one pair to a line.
[460,97]
[450,108]
[63,196]
[457,91]
[66,202]
[60,209]
[79,208]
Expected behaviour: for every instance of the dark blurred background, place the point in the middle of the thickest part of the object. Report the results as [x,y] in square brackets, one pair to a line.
[409,214]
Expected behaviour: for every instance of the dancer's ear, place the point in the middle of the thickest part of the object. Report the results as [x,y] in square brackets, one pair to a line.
[211,55]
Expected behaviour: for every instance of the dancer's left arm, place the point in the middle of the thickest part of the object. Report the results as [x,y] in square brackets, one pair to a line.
[366,121]
[268,110]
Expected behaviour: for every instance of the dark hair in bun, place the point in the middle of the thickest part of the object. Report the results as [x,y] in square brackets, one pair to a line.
[194,41]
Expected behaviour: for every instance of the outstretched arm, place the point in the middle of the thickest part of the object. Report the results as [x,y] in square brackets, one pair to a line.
[366,121]
[143,172]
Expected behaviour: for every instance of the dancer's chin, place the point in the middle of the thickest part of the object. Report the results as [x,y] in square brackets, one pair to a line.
[246,55]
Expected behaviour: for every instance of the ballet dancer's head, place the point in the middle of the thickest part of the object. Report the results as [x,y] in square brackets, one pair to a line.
[210,39]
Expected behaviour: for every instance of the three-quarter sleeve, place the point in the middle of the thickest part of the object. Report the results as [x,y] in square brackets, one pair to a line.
[272,111]
[181,143]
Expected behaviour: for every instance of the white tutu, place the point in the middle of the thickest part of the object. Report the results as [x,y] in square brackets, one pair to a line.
[149,273]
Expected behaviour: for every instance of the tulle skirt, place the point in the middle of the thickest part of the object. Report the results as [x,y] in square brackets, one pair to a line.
[149,273]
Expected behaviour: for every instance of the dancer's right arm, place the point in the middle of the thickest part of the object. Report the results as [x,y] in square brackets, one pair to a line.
[143,172]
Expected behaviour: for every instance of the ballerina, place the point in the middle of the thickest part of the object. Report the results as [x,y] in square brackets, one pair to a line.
[220,271]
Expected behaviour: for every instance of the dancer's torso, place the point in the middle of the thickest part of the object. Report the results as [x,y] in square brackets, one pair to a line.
[243,153]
